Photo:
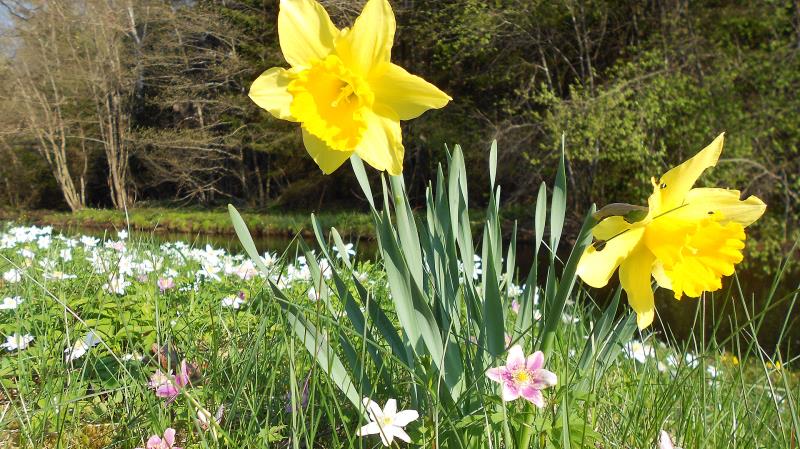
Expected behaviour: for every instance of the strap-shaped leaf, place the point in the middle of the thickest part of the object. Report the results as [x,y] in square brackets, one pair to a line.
[493,164]
[337,240]
[539,217]
[558,204]
[247,241]
[555,306]
[384,325]
[407,228]
[320,350]
[361,176]
[493,311]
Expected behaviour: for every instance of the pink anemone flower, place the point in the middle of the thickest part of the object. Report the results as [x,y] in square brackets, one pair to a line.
[168,442]
[169,387]
[523,377]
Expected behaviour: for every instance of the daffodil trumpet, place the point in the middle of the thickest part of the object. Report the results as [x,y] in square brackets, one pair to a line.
[342,86]
[687,238]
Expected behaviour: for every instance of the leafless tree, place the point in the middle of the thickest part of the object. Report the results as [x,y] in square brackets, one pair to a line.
[44,99]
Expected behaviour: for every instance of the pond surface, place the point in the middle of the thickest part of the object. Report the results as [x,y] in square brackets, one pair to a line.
[687,319]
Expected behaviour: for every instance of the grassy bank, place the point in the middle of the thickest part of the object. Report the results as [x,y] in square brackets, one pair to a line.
[85,380]
[159,220]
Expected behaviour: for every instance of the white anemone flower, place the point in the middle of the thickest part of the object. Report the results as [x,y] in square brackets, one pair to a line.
[233,301]
[116,284]
[89,242]
[12,276]
[17,342]
[81,347]
[387,422]
[349,249]
[11,302]
[639,351]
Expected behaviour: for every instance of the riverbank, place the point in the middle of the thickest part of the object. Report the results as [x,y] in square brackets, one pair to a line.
[215,222]
[352,224]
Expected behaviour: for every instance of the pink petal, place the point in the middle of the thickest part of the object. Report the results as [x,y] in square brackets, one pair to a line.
[535,361]
[182,380]
[154,442]
[533,395]
[664,441]
[510,392]
[543,378]
[166,391]
[516,358]
[496,374]
[169,436]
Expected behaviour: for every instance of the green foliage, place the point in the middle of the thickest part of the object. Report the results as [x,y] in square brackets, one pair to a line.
[451,312]
[256,363]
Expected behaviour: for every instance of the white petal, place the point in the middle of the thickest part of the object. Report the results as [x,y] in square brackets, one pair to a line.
[404,417]
[401,434]
[373,409]
[370,429]
[390,409]
[387,436]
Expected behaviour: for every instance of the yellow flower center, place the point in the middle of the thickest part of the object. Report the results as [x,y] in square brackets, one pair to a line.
[521,376]
[331,101]
[386,422]
[695,255]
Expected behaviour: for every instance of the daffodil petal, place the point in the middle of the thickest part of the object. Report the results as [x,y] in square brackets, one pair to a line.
[305,32]
[269,92]
[660,276]
[326,157]
[408,95]
[634,276]
[725,203]
[610,227]
[382,143]
[369,43]
[712,252]
[596,267]
[673,186]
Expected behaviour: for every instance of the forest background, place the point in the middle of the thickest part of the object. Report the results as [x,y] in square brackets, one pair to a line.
[143,103]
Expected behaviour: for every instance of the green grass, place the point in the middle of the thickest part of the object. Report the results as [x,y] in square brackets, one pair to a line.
[250,361]
[161,220]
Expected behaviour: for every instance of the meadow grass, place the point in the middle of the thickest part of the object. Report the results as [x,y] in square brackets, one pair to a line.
[199,221]
[728,393]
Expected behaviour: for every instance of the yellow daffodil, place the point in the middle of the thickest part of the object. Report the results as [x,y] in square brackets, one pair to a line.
[688,239]
[342,86]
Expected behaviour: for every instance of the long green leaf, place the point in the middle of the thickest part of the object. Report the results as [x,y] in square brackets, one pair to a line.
[247,241]
[320,350]
[558,204]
